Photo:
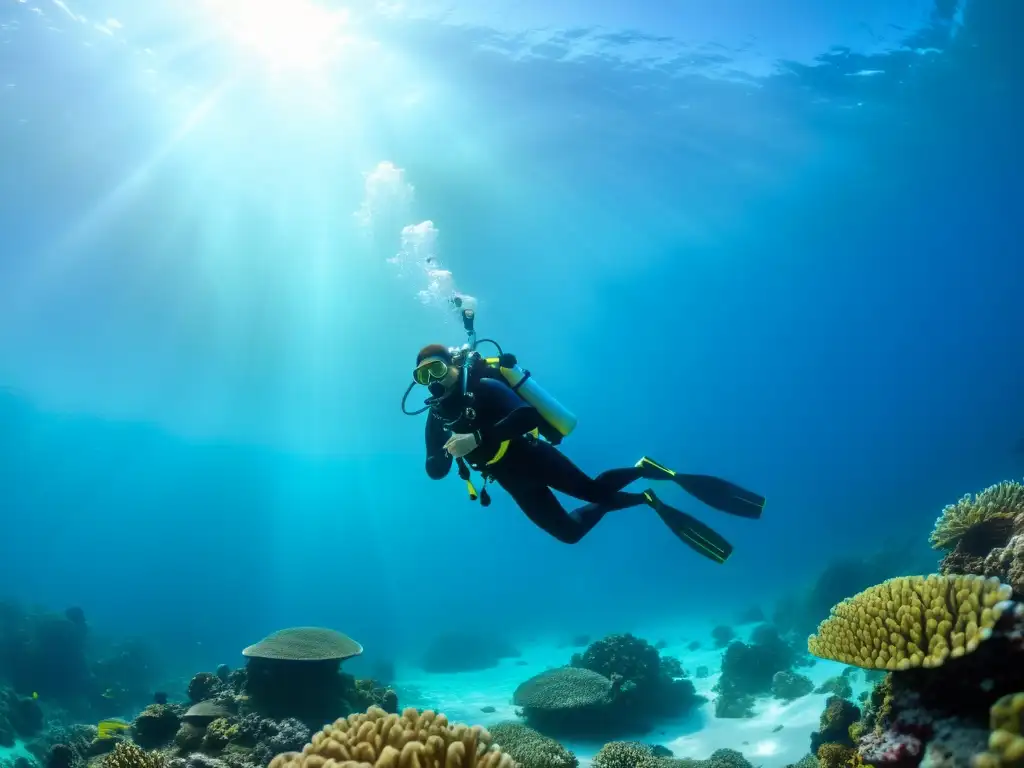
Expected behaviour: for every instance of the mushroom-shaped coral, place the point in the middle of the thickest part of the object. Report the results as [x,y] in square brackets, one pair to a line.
[295,673]
[566,700]
[1000,502]
[911,621]
[529,748]
[409,740]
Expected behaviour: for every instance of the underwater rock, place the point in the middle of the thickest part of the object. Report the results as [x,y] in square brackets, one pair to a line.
[223,673]
[464,651]
[693,645]
[722,635]
[790,686]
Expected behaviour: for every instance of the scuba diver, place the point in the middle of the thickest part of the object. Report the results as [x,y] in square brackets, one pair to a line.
[491,414]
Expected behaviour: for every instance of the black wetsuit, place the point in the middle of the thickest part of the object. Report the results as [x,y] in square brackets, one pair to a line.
[530,468]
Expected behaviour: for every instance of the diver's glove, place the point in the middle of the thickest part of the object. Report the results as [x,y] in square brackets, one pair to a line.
[460,445]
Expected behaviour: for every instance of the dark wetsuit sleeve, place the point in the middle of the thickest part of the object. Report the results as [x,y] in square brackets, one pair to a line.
[439,462]
[520,417]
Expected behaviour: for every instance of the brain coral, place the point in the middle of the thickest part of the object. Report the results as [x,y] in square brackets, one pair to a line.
[911,621]
[409,740]
[305,644]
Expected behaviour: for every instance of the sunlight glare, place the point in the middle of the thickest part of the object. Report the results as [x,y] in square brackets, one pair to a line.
[289,34]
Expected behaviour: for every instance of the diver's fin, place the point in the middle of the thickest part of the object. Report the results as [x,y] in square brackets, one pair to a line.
[691,531]
[722,495]
[713,491]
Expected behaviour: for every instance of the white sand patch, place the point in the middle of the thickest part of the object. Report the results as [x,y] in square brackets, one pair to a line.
[777,735]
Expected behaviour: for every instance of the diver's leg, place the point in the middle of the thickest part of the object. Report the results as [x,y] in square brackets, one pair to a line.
[713,491]
[546,512]
[556,470]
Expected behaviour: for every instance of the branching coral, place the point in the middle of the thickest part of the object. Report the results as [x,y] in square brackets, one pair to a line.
[1000,501]
[529,748]
[409,740]
[911,621]
[128,755]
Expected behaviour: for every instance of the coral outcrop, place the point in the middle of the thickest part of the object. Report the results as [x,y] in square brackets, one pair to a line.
[529,748]
[910,622]
[748,671]
[651,686]
[410,740]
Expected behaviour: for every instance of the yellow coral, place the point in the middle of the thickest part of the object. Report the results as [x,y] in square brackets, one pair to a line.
[1005,743]
[838,756]
[1002,500]
[911,621]
[128,755]
[409,740]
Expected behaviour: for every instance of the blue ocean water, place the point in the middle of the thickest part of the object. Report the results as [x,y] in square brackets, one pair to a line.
[781,244]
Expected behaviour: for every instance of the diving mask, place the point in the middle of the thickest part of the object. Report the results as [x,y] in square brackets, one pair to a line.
[430,370]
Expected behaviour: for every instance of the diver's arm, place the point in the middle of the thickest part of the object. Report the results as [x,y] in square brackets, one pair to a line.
[439,461]
[520,419]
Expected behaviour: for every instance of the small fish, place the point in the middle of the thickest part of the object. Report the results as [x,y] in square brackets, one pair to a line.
[108,729]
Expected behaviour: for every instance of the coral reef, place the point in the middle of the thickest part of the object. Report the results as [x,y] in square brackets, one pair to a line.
[569,701]
[156,725]
[839,686]
[748,671]
[631,754]
[985,535]
[128,755]
[529,748]
[1006,742]
[790,686]
[909,622]
[466,651]
[20,716]
[993,509]
[295,673]
[410,740]
[650,686]
[722,635]
[803,611]
[835,723]
[625,754]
